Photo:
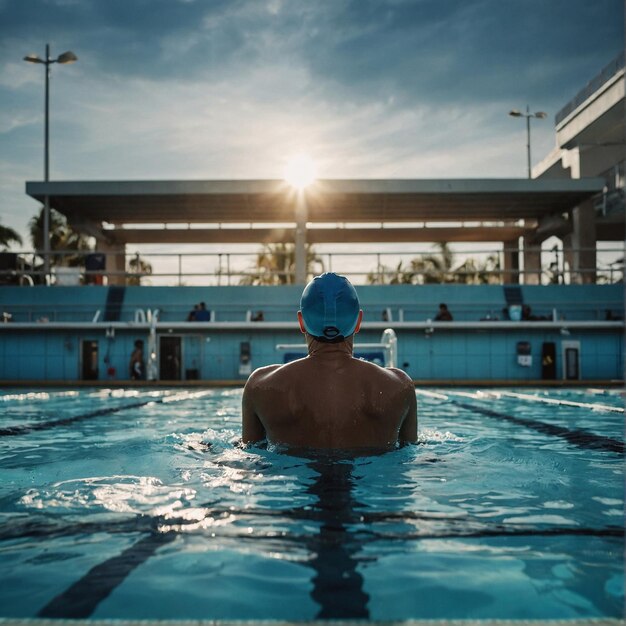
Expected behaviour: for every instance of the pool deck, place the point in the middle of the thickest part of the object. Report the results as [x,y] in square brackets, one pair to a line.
[481,383]
[600,621]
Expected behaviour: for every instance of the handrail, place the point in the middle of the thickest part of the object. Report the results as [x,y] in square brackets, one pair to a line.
[208,327]
[492,309]
[152,370]
[208,270]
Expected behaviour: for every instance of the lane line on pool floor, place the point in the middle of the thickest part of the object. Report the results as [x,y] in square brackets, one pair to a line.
[334,547]
[13,431]
[82,598]
[458,527]
[581,438]
[594,406]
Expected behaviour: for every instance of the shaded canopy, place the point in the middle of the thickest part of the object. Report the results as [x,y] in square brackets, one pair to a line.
[494,205]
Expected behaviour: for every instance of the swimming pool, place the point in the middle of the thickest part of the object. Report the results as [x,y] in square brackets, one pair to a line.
[138,504]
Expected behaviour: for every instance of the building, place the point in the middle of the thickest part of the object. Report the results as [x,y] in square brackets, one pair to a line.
[590,142]
[67,334]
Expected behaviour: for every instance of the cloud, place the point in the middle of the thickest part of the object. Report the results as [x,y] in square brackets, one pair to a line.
[464,52]
[231,88]
[419,51]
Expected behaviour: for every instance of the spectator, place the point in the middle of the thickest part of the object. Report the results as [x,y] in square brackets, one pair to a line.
[443,315]
[192,314]
[137,366]
[202,315]
[258,317]
[529,316]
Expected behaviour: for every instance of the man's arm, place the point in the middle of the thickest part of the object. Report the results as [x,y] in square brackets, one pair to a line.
[252,430]
[408,429]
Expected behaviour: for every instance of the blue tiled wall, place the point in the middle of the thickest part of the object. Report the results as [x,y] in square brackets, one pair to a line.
[454,355]
[467,302]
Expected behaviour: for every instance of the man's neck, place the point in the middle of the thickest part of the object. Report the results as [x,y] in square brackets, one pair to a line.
[323,348]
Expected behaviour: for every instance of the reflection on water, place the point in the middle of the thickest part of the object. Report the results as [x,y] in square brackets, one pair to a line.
[337,585]
[147,491]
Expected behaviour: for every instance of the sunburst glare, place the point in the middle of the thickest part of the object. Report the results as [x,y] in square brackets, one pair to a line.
[300,171]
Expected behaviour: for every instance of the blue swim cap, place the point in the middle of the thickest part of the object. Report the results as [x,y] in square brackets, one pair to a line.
[330,307]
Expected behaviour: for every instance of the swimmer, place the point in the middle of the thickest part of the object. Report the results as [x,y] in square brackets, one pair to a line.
[329,399]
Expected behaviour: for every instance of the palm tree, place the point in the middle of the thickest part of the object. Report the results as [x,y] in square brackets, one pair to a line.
[62,238]
[438,267]
[7,236]
[276,265]
[489,272]
[431,268]
[399,275]
[139,267]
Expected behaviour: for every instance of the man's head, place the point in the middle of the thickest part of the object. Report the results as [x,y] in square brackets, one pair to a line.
[329,308]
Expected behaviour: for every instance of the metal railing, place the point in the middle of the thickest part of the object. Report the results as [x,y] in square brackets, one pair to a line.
[612,200]
[591,87]
[173,313]
[393,267]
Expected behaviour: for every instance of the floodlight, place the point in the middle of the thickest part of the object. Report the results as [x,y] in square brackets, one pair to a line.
[67,57]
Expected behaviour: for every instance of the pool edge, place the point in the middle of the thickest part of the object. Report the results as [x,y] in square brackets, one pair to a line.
[597,621]
[242,382]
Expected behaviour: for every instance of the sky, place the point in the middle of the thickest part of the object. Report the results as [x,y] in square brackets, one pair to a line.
[214,89]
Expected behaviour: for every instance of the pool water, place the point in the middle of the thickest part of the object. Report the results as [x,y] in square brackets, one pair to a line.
[139,504]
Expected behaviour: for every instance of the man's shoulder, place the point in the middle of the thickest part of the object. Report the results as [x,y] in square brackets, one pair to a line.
[390,372]
[403,379]
[401,375]
[391,376]
[261,374]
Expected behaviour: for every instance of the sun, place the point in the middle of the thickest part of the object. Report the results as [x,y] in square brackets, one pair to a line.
[300,171]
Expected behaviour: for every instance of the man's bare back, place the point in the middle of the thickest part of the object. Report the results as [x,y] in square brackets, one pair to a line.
[330,400]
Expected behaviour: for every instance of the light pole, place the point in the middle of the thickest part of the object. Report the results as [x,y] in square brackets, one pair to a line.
[66,57]
[540,115]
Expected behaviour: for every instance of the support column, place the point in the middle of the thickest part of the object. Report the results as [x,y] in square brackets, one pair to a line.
[300,239]
[568,258]
[584,243]
[115,262]
[510,254]
[532,261]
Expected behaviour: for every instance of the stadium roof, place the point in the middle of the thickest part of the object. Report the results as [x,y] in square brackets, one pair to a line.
[231,202]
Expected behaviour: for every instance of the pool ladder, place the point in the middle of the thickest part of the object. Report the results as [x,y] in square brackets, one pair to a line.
[152,318]
[388,344]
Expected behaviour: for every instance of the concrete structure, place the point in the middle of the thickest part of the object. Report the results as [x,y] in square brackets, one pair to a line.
[590,142]
[491,210]
[70,334]
[577,195]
